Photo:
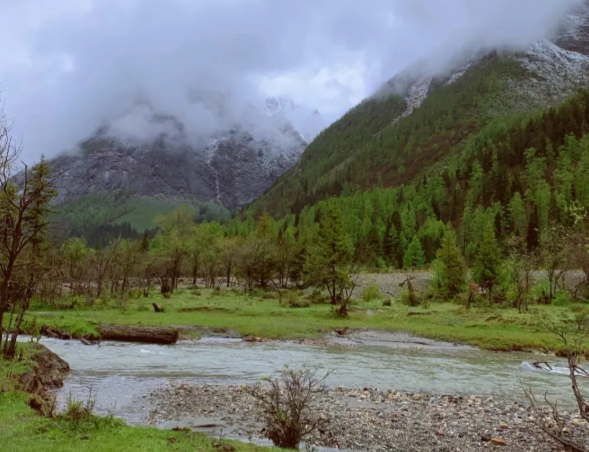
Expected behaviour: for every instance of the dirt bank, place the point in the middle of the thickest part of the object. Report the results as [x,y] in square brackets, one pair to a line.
[47,372]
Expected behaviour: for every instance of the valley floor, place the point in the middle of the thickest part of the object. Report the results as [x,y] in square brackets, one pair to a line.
[198,312]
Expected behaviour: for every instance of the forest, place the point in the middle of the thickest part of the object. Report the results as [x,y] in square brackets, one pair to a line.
[501,229]
[513,202]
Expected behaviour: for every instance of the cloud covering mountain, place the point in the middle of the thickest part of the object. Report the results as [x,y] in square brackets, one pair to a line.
[68,68]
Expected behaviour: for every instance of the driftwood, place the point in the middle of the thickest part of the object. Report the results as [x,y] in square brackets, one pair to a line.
[55,333]
[144,334]
[341,331]
[538,365]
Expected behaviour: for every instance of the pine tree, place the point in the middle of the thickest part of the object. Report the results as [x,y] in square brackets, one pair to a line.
[533,235]
[145,242]
[517,215]
[451,266]
[414,256]
[488,260]
[330,257]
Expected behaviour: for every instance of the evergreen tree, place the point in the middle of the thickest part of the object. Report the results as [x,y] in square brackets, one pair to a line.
[145,242]
[488,260]
[517,215]
[414,256]
[533,235]
[329,259]
[451,267]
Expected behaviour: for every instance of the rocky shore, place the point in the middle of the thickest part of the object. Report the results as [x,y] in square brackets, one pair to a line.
[372,420]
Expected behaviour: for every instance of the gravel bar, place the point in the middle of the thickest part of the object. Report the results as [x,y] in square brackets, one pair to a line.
[376,420]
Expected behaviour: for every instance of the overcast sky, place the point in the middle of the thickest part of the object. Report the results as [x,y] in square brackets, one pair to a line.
[68,65]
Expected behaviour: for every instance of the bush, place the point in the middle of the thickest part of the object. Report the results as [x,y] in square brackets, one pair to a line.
[135,294]
[541,290]
[388,302]
[562,298]
[167,295]
[79,416]
[286,406]
[409,298]
[371,293]
[294,300]
[317,297]
[77,411]
[216,292]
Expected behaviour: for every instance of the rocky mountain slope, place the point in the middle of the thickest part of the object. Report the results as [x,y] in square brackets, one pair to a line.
[425,115]
[232,168]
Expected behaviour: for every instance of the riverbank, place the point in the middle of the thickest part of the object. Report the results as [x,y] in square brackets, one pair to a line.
[233,314]
[23,429]
[371,419]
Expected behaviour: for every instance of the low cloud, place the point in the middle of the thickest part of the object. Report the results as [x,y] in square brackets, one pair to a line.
[82,63]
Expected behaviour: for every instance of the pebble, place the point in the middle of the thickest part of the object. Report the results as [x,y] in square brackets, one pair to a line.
[369,419]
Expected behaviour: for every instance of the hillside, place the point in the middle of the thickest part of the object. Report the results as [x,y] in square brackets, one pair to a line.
[421,119]
[115,181]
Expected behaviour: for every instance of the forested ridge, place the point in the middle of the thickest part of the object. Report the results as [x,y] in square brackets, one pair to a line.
[370,145]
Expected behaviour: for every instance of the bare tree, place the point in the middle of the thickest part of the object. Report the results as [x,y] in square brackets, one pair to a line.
[550,419]
[412,297]
[24,203]
[556,260]
[286,403]
[521,267]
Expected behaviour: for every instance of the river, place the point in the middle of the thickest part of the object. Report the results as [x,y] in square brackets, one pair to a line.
[121,374]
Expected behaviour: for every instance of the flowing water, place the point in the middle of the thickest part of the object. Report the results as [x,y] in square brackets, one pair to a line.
[121,374]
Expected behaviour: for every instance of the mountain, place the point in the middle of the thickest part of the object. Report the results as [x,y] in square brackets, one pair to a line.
[426,116]
[150,155]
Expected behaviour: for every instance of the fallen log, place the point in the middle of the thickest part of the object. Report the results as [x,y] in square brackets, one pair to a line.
[143,334]
[55,333]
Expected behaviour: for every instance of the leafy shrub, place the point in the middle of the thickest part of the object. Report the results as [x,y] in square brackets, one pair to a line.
[122,302]
[562,298]
[294,300]
[381,264]
[409,298]
[196,292]
[371,293]
[540,290]
[167,295]
[317,297]
[77,411]
[135,294]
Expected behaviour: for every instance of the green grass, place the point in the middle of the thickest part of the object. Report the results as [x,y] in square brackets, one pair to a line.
[23,430]
[488,328]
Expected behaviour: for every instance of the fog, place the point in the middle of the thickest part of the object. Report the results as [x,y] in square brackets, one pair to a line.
[75,65]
